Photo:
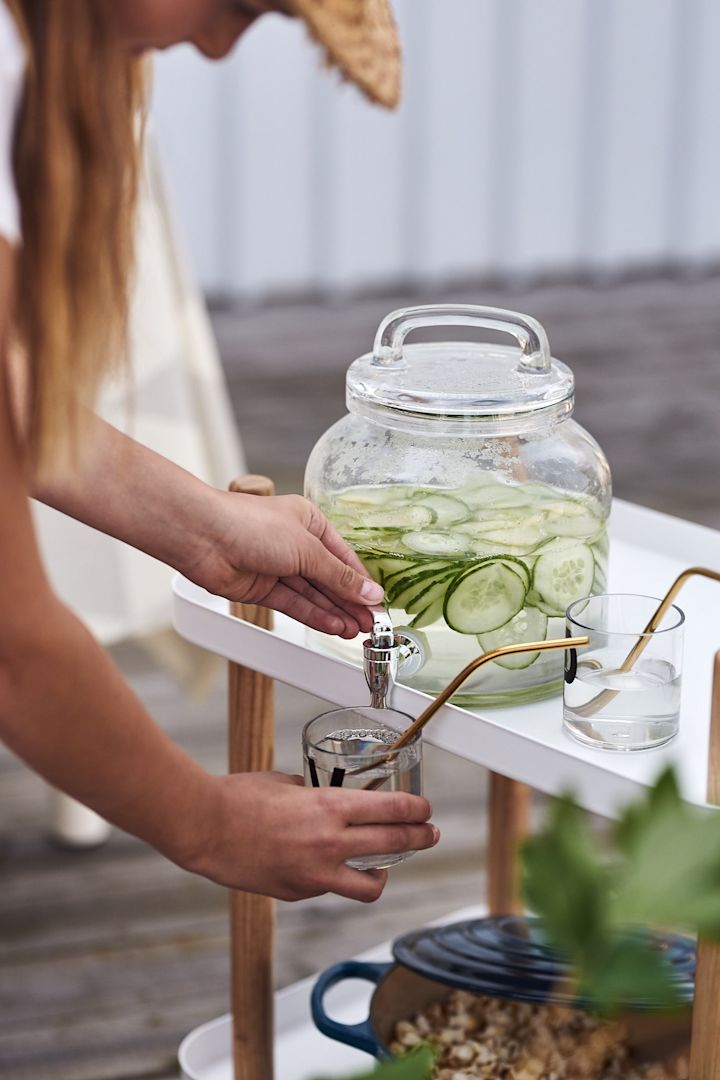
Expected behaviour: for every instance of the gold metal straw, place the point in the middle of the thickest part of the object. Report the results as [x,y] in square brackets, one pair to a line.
[606,696]
[409,734]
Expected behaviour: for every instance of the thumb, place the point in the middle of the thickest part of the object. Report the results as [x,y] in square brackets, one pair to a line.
[337,577]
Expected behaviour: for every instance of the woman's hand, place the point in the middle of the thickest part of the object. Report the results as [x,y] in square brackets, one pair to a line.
[269,834]
[278,551]
[282,552]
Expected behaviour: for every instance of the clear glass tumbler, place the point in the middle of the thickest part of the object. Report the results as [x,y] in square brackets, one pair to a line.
[339,742]
[609,703]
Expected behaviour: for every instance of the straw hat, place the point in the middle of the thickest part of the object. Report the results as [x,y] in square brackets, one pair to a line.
[360,37]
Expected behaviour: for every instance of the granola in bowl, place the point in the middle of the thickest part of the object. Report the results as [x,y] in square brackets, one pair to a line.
[496,1039]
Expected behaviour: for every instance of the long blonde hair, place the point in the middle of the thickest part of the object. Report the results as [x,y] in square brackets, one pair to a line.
[76,168]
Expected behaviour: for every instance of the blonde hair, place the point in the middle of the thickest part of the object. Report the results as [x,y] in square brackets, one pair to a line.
[76,167]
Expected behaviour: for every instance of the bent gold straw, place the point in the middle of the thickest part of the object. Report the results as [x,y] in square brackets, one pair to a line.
[606,696]
[409,734]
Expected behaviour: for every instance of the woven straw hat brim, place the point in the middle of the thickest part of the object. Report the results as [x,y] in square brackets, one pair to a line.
[359,37]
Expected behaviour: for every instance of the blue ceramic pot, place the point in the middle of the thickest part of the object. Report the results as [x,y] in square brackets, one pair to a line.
[498,957]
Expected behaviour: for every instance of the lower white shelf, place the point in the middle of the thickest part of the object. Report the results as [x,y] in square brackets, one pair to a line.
[301,1051]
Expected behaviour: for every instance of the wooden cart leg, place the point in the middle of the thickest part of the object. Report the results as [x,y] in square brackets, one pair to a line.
[252,917]
[705,1049]
[508,824]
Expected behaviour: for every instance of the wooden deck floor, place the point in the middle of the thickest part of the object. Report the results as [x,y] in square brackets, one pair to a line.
[108,958]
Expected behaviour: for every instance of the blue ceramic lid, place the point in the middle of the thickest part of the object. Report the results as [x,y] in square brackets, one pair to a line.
[506,956]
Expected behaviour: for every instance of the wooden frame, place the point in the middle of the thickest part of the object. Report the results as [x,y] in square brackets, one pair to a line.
[252,919]
[251,739]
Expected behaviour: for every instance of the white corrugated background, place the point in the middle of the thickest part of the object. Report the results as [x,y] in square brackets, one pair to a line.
[535,135]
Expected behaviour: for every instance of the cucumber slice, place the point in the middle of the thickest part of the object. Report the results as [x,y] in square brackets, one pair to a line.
[373,496]
[518,566]
[522,536]
[534,599]
[514,562]
[571,518]
[403,566]
[482,523]
[372,564]
[528,625]
[387,565]
[387,549]
[561,577]
[556,543]
[599,584]
[483,548]
[436,543]
[446,508]
[398,517]
[375,538]
[428,615]
[430,591]
[485,597]
[413,598]
[413,578]
[600,546]
[547,609]
[494,495]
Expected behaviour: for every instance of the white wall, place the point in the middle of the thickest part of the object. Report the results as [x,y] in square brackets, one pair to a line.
[534,135]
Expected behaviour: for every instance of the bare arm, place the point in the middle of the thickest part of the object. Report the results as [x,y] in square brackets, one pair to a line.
[66,711]
[280,552]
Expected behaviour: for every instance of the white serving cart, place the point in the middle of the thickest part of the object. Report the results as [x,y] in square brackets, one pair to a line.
[524,747]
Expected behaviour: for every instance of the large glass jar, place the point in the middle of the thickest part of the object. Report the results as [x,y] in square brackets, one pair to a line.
[470,494]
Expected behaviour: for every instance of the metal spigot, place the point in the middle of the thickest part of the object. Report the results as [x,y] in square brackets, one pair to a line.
[386,654]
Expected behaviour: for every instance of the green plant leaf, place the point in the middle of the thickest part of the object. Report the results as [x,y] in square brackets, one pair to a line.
[663,796]
[627,969]
[417,1065]
[564,881]
[662,871]
[669,875]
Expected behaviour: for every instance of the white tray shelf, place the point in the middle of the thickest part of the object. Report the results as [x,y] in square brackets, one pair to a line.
[301,1051]
[524,742]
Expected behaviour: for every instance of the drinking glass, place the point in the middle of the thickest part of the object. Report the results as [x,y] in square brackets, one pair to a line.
[610,708]
[340,741]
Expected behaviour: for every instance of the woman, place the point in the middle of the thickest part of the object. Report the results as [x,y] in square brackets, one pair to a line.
[69,100]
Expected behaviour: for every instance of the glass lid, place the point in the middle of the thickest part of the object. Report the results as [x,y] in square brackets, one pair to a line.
[459,380]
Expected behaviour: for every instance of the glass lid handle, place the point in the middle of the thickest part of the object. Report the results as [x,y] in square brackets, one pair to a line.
[395,327]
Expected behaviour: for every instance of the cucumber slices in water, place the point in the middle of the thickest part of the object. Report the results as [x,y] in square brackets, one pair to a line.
[570,518]
[421,591]
[397,517]
[353,498]
[429,614]
[491,558]
[437,543]
[485,597]
[528,625]
[561,577]
[447,510]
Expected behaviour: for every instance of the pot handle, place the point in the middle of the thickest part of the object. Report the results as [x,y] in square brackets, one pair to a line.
[528,332]
[360,1035]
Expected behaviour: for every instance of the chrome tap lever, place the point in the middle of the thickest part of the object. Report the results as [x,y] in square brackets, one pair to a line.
[383,636]
[385,654]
